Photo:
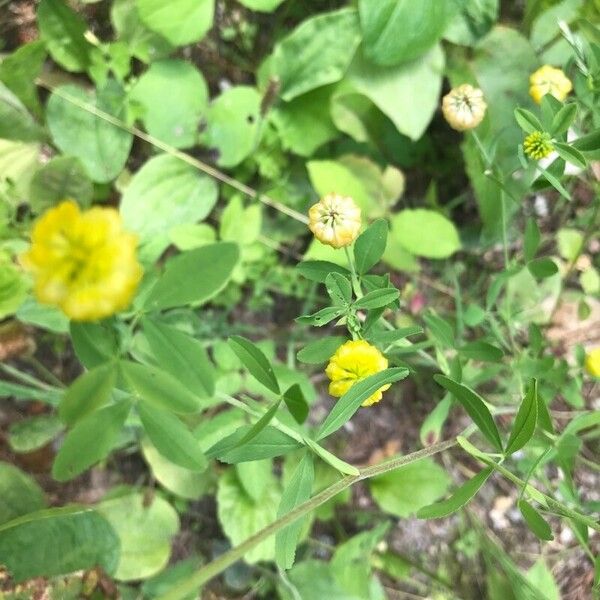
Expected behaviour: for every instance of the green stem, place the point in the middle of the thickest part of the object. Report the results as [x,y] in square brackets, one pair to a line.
[355,282]
[212,569]
[24,377]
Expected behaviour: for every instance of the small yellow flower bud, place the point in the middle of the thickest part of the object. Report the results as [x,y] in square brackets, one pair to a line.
[464,107]
[83,262]
[335,220]
[592,363]
[538,145]
[352,362]
[549,80]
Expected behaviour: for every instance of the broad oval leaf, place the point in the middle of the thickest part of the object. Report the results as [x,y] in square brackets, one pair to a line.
[19,493]
[194,276]
[172,438]
[474,404]
[255,361]
[90,441]
[461,497]
[350,402]
[339,289]
[58,541]
[159,388]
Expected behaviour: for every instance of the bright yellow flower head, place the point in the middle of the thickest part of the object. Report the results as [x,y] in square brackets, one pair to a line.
[548,80]
[353,361]
[592,363]
[464,107]
[538,145]
[83,262]
[335,220]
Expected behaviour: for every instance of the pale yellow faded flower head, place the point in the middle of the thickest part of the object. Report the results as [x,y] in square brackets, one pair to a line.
[83,262]
[549,80]
[353,361]
[592,363]
[335,220]
[464,107]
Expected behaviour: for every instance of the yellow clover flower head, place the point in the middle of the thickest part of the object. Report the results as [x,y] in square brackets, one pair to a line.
[538,145]
[335,220]
[592,363]
[353,361]
[549,80]
[83,262]
[464,107]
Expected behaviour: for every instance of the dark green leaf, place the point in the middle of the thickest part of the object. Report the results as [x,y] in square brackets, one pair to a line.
[321,350]
[15,121]
[260,424]
[296,402]
[542,268]
[535,521]
[87,393]
[531,241]
[94,343]
[370,246]
[19,493]
[377,299]
[64,32]
[322,317]
[296,491]
[589,142]
[543,415]
[483,351]
[474,404]
[269,443]
[461,497]
[563,119]
[350,402]
[157,387]
[194,276]
[525,421]
[90,441]
[58,541]
[182,356]
[570,154]
[339,289]
[255,361]
[317,270]
[172,438]
[527,121]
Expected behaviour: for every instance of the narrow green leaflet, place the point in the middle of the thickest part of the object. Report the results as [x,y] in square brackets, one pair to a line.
[317,270]
[339,289]
[90,441]
[172,438]
[460,498]
[370,246]
[194,276]
[260,424]
[321,350]
[63,30]
[525,421]
[87,393]
[34,432]
[483,351]
[350,402]
[535,521]
[181,355]
[377,299]
[331,459]
[527,121]
[269,443]
[297,491]
[531,241]
[474,404]
[321,317]
[94,343]
[158,387]
[255,361]
[58,541]
[570,154]
[19,493]
[543,415]
[390,337]
[296,403]
[563,119]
